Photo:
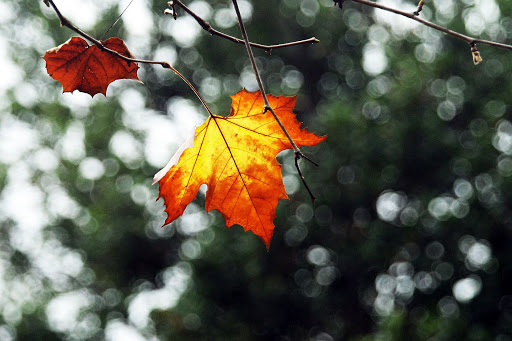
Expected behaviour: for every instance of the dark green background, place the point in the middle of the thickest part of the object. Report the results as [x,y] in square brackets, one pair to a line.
[336,269]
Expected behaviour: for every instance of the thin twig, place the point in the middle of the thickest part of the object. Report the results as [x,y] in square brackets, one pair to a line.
[166,65]
[207,27]
[302,177]
[298,153]
[467,39]
[115,22]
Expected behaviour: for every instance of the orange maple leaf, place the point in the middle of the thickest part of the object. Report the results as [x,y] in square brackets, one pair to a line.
[78,66]
[236,157]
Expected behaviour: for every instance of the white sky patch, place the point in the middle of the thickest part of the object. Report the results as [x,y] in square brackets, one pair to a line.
[45,159]
[502,140]
[481,16]
[489,10]
[7,13]
[140,119]
[161,141]
[184,30]
[189,143]
[26,94]
[162,134]
[71,144]
[194,219]
[83,13]
[63,312]
[248,80]
[479,254]
[389,205]
[91,168]
[210,89]
[20,173]
[318,255]
[374,59]
[24,204]
[16,139]
[119,331]
[165,53]
[378,34]
[245,9]
[399,25]
[57,262]
[447,9]
[466,289]
[138,18]
[140,194]
[175,280]
[60,204]
[78,102]
[226,17]
[30,33]
[201,8]
[126,147]
[132,102]
[185,114]
[21,290]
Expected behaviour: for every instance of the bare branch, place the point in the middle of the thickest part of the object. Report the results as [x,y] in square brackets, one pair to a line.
[413,16]
[296,150]
[297,157]
[66,23]
[166,65]
[207,27]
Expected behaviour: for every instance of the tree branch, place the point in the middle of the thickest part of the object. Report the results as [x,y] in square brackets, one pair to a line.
[297,151]
[166,65]
[414,16]
[207,27]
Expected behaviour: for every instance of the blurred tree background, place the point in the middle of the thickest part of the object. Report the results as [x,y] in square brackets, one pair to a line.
[410,235]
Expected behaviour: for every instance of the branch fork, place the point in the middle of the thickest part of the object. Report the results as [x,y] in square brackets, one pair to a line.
[268,48]
[415,16]
[298,153]
[207,27]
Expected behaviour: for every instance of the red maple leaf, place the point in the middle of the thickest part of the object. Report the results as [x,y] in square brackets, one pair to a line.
[78,66]
[236,157]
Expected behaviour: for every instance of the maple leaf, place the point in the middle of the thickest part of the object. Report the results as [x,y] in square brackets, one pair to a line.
[78,66]
[236,157]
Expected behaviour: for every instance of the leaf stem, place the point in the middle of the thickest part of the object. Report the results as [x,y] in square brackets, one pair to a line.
[207,27]
[297,151]
[166,65]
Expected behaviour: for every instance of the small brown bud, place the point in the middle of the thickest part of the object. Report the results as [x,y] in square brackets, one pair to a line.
[420,7]
[339,3]
[477,59]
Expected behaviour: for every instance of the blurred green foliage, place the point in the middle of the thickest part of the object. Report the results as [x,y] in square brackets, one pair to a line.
[409,236]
